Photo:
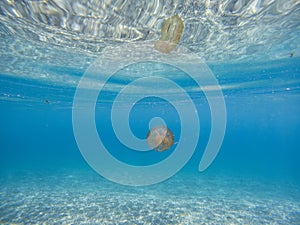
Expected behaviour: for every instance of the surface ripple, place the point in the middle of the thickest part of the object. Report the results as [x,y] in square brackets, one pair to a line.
[216,30]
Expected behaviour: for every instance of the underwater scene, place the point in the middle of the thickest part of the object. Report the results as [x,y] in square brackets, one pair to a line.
[150,112]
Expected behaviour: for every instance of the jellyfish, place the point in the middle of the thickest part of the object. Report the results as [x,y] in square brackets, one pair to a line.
[170,34]
[160,138]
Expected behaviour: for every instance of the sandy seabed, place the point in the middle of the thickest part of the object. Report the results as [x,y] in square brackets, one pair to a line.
[84,197]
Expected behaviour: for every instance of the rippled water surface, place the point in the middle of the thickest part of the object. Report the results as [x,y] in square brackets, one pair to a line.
[72,33]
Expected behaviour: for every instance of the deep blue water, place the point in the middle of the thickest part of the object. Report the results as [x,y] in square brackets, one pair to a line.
[262,130]
[259,154]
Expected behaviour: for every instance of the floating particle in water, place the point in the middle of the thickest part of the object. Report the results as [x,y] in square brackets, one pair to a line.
[160,138]
[146,35]
[171,32]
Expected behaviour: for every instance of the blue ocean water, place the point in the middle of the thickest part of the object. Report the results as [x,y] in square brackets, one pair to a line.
[53,173]
[254,179]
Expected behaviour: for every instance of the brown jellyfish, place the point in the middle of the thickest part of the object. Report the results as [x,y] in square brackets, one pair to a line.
[171,32]
[160,138]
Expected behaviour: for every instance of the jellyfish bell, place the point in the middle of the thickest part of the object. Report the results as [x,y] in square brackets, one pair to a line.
[160,138]
[171,32]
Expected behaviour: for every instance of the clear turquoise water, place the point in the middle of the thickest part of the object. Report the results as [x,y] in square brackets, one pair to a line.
[254,179]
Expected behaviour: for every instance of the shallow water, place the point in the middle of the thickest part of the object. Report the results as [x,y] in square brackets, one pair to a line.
[46,175]
[72,196]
